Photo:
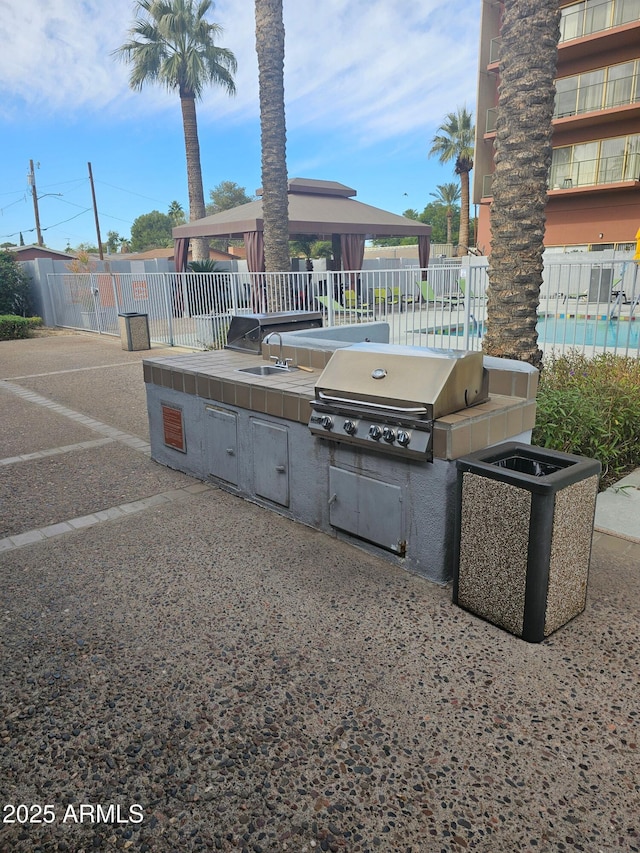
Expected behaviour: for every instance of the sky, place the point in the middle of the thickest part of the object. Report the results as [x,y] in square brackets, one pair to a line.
[367,84]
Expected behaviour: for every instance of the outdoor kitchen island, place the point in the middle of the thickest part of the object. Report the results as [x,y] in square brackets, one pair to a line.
[221,417]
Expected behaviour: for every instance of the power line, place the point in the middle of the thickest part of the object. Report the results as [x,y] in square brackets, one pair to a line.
[130,192]
[17,201]
[48,228]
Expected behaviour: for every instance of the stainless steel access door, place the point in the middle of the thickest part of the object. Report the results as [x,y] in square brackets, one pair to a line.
[367,508]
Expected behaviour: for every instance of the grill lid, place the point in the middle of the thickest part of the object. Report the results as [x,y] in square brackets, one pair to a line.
[404,378]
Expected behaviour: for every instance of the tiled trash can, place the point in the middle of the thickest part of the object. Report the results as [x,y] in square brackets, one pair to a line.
[523,536]
[134,331]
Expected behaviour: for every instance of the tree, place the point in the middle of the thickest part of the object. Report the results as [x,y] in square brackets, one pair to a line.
[173,44]
[151,231]
[447,196]
[114,241]
[302,246]
[86,249]
[275,202]
[15,295]
[225,195]
[176,213]
[435,215]
[454,141]
[522,161]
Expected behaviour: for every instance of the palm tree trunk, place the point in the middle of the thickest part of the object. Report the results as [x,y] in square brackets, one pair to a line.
[463,237]
[199,246]
[523,159]
[275,203]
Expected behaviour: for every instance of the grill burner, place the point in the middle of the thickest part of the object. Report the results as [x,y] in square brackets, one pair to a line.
[386,397]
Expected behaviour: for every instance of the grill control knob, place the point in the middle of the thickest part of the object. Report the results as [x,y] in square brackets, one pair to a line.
[375,432]
[388,434]
[349,427]
[403,438]
[326,421]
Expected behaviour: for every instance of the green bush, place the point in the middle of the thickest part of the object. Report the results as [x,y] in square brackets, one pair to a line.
[15,290]
[12,326]
[591,407]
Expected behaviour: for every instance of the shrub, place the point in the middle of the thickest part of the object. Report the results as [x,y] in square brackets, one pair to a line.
[15,296]
[208,265]
[12,326]
[591,407]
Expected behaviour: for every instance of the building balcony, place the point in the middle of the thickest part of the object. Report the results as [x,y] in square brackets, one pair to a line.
[577,117]
[582,19]
[579,31]
[604,174]
[614,93]
[606,40]
[621,169]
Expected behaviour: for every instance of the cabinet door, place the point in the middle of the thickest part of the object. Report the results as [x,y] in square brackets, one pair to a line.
[222,444]
[270,461]
[367,508]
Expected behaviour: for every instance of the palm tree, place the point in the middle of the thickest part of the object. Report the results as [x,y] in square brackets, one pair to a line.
[523,159]
[454,141]
[447,196]
[172,44]
[176,213]
[275,203]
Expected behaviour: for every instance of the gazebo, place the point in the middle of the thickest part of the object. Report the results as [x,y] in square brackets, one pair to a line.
[325,209]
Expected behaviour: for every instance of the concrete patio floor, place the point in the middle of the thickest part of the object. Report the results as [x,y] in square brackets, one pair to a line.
[254,685]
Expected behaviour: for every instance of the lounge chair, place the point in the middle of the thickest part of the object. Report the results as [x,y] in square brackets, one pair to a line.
[428,295]
[351,302]
[329,305]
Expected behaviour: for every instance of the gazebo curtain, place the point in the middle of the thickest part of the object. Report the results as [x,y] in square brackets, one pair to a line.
[254,245]
[352,248]
[424,249]
[181,253]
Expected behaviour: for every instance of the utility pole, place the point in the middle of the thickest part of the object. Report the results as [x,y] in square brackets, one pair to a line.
[31,177]
[95,212]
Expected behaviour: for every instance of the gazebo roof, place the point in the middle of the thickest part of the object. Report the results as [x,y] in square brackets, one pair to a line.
[321,208]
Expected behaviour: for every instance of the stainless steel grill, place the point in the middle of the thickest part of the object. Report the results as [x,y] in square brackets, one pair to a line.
[247,331]
[386,398]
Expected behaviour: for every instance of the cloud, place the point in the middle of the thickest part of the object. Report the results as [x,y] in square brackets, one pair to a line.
[374,68]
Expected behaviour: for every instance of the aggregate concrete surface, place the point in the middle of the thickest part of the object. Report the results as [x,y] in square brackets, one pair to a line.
[202,674]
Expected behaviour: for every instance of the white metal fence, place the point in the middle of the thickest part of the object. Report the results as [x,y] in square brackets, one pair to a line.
[592,307]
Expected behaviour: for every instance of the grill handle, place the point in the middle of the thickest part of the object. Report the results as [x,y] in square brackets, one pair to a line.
[419,410]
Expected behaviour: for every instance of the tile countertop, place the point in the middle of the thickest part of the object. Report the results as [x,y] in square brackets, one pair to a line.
[216,376]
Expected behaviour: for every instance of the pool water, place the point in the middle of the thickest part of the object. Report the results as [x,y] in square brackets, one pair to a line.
[602,333]
[573,331]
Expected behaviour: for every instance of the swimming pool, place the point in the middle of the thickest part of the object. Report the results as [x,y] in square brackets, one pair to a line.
[578,331]
[573,331]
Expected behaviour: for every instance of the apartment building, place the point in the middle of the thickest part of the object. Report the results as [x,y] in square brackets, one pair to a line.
[594,181]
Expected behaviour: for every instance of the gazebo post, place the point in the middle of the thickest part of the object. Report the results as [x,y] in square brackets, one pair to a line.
[336,250]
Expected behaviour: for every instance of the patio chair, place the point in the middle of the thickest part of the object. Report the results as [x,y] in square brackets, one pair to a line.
[327,304]
[352,304]
[428,295]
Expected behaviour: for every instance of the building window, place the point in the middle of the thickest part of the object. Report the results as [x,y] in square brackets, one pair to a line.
[626,11]
[603,88]
[592,16]
[605,161]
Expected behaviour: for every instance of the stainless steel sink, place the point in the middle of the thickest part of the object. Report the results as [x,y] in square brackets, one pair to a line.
[267,370]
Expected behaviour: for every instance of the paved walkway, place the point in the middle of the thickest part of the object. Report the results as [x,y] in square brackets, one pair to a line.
[256,685]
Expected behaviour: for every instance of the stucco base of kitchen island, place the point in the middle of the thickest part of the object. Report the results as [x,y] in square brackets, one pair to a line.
[248,434]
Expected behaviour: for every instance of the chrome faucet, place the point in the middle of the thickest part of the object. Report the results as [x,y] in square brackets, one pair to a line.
[279,360]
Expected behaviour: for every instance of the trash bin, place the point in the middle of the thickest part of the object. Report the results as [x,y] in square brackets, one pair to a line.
[134,331]
[523,532]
